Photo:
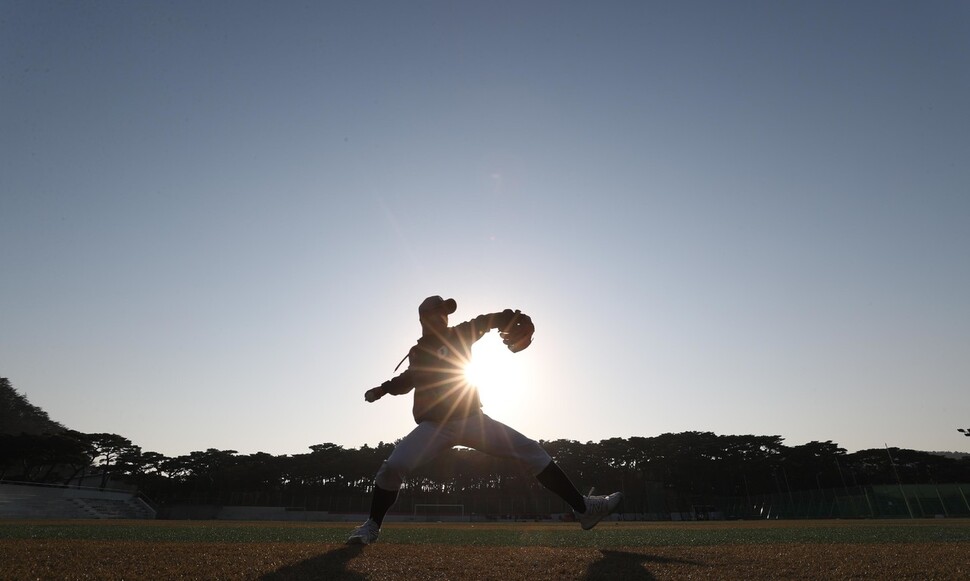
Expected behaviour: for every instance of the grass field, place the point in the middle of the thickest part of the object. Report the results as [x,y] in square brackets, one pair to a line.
[931,549]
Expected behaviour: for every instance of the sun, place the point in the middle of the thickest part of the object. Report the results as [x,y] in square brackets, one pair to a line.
[487,365]
[502,377]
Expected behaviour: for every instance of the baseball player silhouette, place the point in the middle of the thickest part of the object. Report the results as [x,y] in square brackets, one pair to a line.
[448,412]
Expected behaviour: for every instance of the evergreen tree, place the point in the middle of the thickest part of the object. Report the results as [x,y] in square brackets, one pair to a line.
[19,416]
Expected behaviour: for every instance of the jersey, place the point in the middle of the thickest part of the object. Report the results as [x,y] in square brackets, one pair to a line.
[436,373]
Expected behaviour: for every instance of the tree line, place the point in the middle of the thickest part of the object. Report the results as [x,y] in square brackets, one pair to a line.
[657,474]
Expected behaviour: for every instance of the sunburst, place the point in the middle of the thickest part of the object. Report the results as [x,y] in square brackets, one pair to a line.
[500,376]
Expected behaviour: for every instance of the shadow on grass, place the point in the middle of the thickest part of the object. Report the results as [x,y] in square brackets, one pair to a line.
[627,566]
[331,565]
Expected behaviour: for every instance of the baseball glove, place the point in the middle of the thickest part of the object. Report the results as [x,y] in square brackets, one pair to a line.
[517,335]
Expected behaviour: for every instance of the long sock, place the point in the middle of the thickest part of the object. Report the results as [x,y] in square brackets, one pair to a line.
[553,478]
[381,502]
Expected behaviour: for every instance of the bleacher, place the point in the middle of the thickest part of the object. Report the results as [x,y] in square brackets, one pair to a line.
[31,501]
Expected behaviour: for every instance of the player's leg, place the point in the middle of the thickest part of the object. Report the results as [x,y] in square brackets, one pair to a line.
[589,509]
[495,438]
[424,442]
[554,479]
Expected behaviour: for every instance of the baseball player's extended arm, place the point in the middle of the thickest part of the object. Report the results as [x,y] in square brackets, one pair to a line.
[499,320]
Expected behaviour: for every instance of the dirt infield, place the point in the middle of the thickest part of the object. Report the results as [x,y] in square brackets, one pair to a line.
[45,556]
[59,559]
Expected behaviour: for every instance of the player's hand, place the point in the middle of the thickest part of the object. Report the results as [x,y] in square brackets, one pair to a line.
[374,394]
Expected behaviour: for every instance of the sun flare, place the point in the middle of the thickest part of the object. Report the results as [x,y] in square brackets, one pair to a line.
[501,376]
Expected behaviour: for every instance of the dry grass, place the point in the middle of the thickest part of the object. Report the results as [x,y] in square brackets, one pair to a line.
[79,558]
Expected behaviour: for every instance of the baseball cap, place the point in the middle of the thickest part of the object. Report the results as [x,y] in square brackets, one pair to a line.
[436,304]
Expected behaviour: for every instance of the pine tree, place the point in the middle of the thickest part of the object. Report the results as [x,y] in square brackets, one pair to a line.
[19,416]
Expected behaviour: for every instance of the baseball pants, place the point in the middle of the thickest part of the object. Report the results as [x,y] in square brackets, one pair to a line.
[477,431]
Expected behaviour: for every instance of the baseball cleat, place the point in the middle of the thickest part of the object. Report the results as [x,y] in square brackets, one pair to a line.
[597,508]
[365,534]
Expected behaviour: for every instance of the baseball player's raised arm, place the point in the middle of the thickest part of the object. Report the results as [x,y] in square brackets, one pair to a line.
[476,328]
[501,320]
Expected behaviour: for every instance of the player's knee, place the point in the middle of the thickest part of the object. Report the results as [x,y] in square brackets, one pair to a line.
[391,475]
[536,458]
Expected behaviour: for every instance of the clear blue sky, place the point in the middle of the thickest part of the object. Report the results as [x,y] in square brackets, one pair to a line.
[217,219]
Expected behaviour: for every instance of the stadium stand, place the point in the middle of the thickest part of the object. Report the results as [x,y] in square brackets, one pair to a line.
[32,501]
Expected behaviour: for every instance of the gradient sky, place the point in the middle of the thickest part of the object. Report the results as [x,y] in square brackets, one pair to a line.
[217,219]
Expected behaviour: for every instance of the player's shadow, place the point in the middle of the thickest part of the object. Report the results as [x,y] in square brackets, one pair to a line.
[331,565]
[627,566]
